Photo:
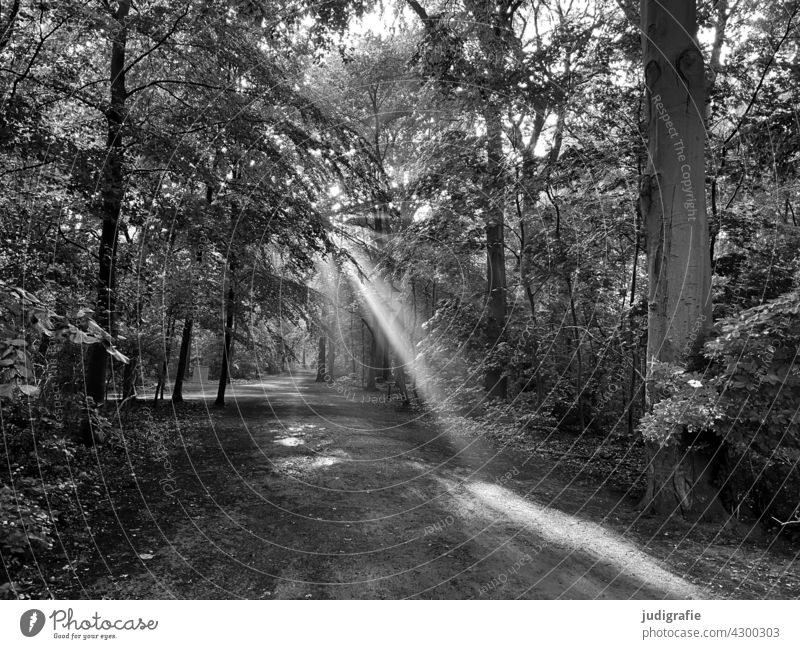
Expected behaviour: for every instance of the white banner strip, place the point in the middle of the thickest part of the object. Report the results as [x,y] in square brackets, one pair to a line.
[400,625]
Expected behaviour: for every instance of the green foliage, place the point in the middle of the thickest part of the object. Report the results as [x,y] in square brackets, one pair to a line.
[755,364]
[755,369]
[686,402]
[452,344]
[25,526]
[35,484]
[24,314]
[748,396]
[750,389]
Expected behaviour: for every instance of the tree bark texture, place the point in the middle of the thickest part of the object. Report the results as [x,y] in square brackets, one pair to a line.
[494,380]
[673,205]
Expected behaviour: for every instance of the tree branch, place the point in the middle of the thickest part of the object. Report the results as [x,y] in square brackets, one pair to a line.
[418,9]
[159,42]
[8,29]
[763,75]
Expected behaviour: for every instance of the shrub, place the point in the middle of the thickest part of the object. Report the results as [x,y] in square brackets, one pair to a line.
[748,395]
[755,363]
[687,401]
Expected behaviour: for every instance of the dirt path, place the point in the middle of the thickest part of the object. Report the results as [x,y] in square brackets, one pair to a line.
[296,491]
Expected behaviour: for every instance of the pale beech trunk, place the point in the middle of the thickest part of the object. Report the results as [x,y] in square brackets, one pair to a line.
[678,262]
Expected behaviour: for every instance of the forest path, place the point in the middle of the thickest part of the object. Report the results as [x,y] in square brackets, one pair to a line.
[298,491]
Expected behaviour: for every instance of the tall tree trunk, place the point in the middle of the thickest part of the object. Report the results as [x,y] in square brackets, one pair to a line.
[494,381]
[492,25]
[379,350]
[162,376]
[352,345]
[433,299]
[112,193]
[331,361]
[183,360]
[378,355]
[386,362]
[372,369]
[231,351]
[576,338]
[226,346]
[321,370]
[715,60]
[633,338]
[184,355]
[676,225]
[380,360]
[363,357]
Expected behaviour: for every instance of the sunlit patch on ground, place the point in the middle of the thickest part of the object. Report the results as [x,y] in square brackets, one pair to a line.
[289,441]
[299,433]
[305,464]
[573,533]
[301,428]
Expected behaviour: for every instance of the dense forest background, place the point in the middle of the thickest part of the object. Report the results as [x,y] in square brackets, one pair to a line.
[445,202]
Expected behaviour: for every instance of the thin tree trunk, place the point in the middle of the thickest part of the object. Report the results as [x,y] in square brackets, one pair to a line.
[632,341]
[372,370]
[578,357]
[231,350]
[416,316]
[184,355]
[352,345]
[363,357]
[379,353]
[321,370]
[715,60]
[538,379]
[433,299]
[162,378]
[386,364]
[223,373]
[331,361]
[183,360]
